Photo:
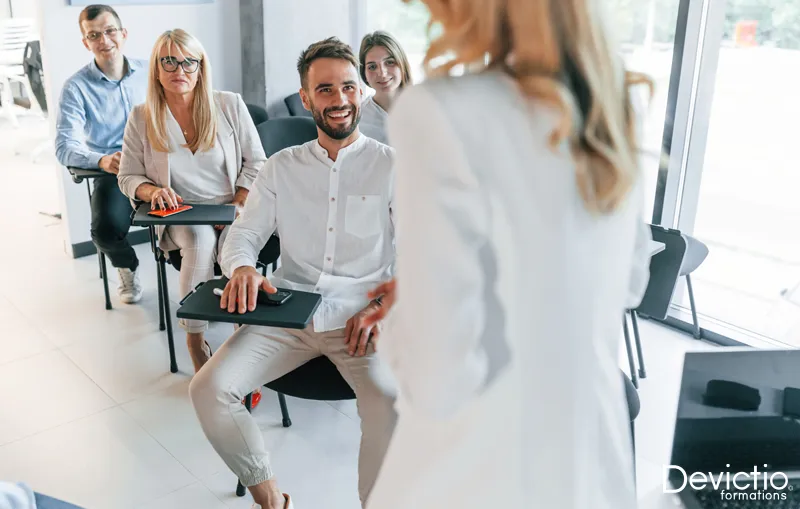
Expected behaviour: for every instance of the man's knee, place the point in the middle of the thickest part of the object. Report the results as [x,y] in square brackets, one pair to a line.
[204,388]
[110,223]
[209,388]
[104,232]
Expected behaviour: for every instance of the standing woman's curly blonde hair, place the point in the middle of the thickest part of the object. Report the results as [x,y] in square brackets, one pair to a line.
[559,52]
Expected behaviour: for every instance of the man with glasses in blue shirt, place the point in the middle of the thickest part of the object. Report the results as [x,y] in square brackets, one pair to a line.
[93,110]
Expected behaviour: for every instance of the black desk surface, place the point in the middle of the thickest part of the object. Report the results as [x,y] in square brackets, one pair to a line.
[198,214]
[296,313]
[83,173]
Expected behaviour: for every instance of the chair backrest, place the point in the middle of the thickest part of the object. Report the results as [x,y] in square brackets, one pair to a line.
[295,105]
[14,35]
[257,113]
[664,272]
[696,253]
[279,133]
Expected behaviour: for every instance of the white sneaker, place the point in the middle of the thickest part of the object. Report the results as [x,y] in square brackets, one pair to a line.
[130,289]
[287,506]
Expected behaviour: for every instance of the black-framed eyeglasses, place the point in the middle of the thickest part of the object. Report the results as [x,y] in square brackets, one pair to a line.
[109,32]
[170,64]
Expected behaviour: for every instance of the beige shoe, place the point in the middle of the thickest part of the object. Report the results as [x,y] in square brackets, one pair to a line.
[288,504]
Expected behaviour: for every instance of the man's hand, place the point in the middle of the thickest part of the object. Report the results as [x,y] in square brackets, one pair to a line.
[387,293]
[164,197]
[241,292]
[358,334]
[110,163]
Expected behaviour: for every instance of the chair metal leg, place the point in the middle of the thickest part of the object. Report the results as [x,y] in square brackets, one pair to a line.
[101,258]
[248,404]
[695,321]
[637,340]
[633,445]
[104,275]
[173,363]
[161,324]
[287,421]
[629,348]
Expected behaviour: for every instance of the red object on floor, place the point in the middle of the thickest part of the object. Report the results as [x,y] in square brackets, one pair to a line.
[254,400]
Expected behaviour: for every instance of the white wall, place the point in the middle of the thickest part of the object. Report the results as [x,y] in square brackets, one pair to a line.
[23,8]
[215,24]
[289,28]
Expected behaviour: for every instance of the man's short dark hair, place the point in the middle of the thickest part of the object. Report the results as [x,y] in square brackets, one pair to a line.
[90,12]
[331,47]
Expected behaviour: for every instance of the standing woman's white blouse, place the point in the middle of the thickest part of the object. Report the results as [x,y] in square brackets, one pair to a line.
[373,120]
[505,339]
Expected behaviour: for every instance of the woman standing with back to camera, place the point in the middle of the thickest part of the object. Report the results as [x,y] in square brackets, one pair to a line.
[519,205]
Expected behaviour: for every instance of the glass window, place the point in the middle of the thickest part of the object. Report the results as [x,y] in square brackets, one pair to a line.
[646,31]
[748,211]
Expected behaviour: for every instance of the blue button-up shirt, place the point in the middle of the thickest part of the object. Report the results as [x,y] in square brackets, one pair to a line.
[93,111]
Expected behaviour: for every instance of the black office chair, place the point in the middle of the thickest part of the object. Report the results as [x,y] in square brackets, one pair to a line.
[279,133]
[665,269]
[295,106]
[257,113]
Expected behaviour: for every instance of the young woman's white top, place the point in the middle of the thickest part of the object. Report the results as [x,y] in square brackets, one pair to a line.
[504,342]
[373,120]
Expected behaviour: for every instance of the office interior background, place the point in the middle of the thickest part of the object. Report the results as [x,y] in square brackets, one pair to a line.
[718,151]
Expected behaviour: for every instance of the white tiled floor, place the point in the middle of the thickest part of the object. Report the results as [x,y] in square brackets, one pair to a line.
[90,412]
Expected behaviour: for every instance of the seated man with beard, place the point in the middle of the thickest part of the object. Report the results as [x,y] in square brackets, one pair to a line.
[330,202]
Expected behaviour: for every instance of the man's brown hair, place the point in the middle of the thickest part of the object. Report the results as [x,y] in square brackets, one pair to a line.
[331,47]
[90,12]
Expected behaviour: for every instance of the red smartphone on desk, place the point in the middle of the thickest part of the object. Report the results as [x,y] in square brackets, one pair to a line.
[169,212]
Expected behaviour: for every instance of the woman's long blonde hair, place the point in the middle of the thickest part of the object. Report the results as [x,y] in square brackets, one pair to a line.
[204,110]
[559,52]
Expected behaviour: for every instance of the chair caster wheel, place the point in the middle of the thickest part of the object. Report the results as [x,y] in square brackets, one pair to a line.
[240,490]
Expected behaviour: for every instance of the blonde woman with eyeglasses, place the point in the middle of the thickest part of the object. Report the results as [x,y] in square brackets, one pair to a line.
[189,144]
[519,205]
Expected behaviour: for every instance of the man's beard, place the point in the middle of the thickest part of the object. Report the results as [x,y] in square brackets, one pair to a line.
[337,133]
